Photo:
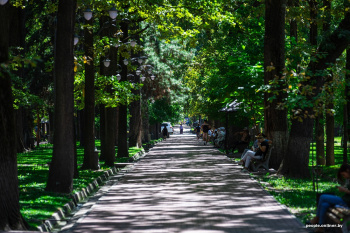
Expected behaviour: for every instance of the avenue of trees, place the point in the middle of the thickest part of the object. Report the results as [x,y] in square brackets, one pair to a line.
[284,60]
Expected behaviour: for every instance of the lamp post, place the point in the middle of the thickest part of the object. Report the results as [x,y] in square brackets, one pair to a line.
[76,38]
[113,13]
[106,62]
[87,14]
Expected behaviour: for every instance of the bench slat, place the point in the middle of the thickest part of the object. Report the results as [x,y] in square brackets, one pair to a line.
[333,217]
[336,212]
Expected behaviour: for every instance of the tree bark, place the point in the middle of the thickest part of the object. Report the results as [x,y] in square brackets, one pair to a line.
[145,121]
[123,150]
[319,120]
[330,136]
[346,120]
[103,132]
[274,64]
[319,136]
[330,160]
[110,116]
[135,123]
[10,216]
[62,166]
[17,35]
[90,157]
[135,131]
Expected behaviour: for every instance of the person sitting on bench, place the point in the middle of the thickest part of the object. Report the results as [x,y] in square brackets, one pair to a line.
[255,146]
[328,200]
[243,140]
[263,147]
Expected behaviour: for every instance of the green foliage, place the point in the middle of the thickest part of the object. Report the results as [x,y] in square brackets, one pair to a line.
[163,110]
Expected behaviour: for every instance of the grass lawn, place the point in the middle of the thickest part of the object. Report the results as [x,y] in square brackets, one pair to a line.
[298,194]
[37,204]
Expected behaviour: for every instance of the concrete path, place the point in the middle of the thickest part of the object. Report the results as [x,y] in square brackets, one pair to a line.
[184,186]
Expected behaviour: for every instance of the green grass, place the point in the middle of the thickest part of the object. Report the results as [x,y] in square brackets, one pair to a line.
[298,194]
[37,204]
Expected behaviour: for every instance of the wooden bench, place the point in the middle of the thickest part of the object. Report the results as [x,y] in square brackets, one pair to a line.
[338,216]
[258,163]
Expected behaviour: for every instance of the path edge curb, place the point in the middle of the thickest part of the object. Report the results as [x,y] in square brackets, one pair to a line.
[78,197]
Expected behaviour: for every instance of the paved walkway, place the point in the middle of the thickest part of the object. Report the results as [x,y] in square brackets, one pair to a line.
[184,186]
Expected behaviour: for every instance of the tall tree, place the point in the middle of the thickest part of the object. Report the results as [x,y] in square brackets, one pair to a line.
[135,111]
[274,64]
[123,150]
[330,160]
[10,216]
[62,166]
[90,157]
[346,117]
[319,118]
[298,149]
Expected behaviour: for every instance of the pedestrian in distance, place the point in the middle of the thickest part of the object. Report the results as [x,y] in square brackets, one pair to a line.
[205,127]
[165,133]
[181,129]
[198,131]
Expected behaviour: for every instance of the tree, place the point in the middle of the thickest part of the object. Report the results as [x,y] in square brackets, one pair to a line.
[274,65]
[62,166]
[10,216]
[330,160]
[346,117]
[123,150]
[135,132]
[90,157]
[331,47]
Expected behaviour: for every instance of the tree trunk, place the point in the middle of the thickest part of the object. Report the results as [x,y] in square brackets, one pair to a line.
[90,157]
[319,135]
[110,136]
[80,127]
[345,132]
[330,97]
[346,120]
[123,150]
[135,123]
[103,131]
[274,56]
[17,35]
[116,126]
[62,165]
[330,136]
[10,216]
[145,121]
[319,120]
[135,132]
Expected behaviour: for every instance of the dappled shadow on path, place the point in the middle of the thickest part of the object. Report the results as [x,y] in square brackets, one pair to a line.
[184,186]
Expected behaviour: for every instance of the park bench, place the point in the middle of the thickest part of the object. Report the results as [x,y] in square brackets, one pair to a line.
[258,163]
[338,216]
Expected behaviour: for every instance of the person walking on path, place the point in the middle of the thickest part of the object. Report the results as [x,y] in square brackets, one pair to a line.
[198,132]
[205,127]
[181,129]
[165,133]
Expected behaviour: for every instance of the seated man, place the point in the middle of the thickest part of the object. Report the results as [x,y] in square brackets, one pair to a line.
[220,137]
[243,141]
[255,146]
[263,146]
